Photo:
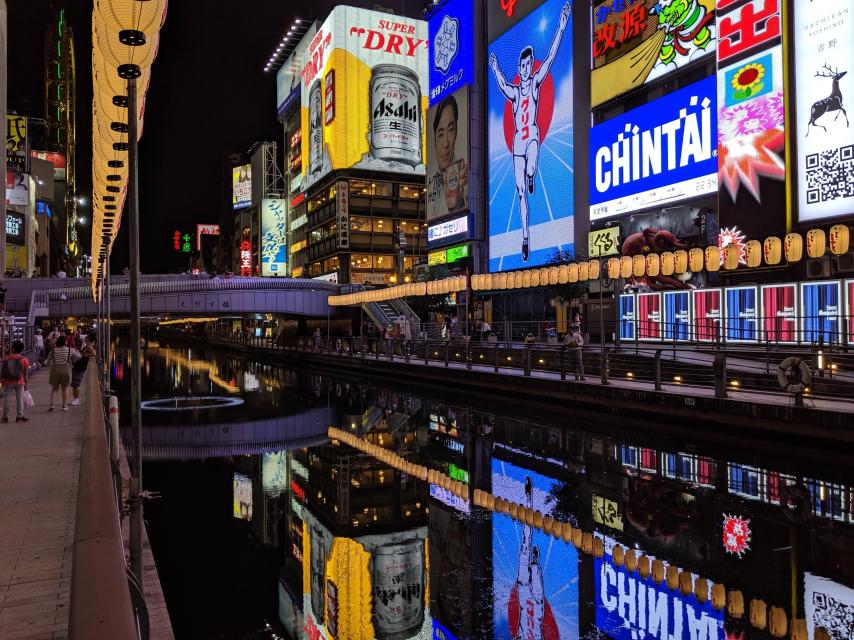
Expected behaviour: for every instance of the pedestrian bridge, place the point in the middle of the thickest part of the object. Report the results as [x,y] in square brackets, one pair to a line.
[177,295]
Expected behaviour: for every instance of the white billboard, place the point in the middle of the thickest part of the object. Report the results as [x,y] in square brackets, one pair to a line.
[288,76]
[274,237]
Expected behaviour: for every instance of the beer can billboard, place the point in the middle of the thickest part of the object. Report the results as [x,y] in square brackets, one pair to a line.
[530,122]
[447,155]
[364,95]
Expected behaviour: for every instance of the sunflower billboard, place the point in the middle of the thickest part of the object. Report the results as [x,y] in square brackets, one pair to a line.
[364,95]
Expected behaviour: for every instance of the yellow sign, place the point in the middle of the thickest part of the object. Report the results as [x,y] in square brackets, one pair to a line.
[605,242]
[437,257]
[607,512]
[16,141]
[16,257]
[241,186]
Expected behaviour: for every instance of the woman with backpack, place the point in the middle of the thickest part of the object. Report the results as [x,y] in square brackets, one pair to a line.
[60,360]
[14,374]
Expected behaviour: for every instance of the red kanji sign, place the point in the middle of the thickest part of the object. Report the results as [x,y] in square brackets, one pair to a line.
[750,26]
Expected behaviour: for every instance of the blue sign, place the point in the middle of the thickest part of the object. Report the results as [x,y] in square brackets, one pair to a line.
[820,307]
[441,633]
[677,315]
[451,48]
[530,120]
[628,321]
[660,153]
[629,607]
[742,314]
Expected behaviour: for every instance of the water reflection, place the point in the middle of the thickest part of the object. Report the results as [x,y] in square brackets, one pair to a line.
[350,547]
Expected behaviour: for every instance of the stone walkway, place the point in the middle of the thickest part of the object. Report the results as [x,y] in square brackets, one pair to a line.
[39,466]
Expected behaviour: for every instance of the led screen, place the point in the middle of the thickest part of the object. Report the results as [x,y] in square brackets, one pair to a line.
[677,315]
[742,314]
[274,237]
[649,316]
[274,473]
[779,303]
[535,577]
[447,155]
[529,102]
[829,605]
[627,316]
[242,496]
[451,48]
[707,314]
[241,186]
[820,306]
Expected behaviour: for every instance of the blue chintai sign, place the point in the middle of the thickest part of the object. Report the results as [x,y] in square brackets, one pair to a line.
[661,153]
[451,48]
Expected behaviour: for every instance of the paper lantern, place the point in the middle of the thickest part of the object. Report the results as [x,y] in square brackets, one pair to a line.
[772,250]
[758,613]
[631,561]
[657,571]
[672,577]
[583,271]
[793,247]
[644,567]
[598,547]
[653,264]
[553,275]
[731,257]
[544,277]
[535,278]
[778,623]
[680,261]
[518,280]
[753,251]
[638,266]
[563,274]
[594,268]
[626,267]
[463,283]
[618,555]
[613,268]
[502,281]
[816,243]
[526,278]
[572,273]
[666,263]
[577,538]
[839,239]
[696,258]
[718,596]
[701,590]
[712,256]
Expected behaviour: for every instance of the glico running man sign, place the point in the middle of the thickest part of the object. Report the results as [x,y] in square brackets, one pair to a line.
[661,153]
[529,98]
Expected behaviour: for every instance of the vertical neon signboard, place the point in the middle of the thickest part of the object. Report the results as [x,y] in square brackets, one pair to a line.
[708,311]
[849,310]
[649,316]
[742,314]
[820,305]
[677,315]
[628,317]
[779,323]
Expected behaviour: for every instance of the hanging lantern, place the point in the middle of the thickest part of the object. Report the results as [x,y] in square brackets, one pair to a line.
[554,272]
[753,253]
[666,263]
[696,257]
[502,281]
[613,268]
[638,266]
[816,243]
[653,265]
[778,623]
[563,274]
[839,239]
[772,250]
[626,267]
[793,247]
[713,258]
[572,273]
[680,261]
[583,272]
[526,278]
[518,280]
[758,613]
[535,277]
[544,276]
[618,555]
[631,561]
[594,268]
[731,257]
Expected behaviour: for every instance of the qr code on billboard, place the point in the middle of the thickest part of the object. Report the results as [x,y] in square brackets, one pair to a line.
[835,616]
[830,174]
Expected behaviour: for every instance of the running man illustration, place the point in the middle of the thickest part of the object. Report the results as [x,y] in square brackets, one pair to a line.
[524,98]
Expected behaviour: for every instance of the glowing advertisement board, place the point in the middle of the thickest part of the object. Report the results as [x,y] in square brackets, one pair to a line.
[779,303]
[849,313]
[627,316]
[535,577]
[824,41]
[449,232]
[451,32]
[241,186]
[821,303]
[742,314]
[828,604]
[364,94]
[447,156]
[659,153]
[241,496]
[649,316]
[629,607]
[274,473]
[274,237]
[708,311]
[530,120]
[288,76]
[638,41]
[677,315]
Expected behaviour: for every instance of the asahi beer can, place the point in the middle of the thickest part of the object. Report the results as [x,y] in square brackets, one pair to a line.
[315,128]
[395,132]
[320,543]
[398,580]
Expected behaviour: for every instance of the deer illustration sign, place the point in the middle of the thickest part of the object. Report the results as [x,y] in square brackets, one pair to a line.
[824,39]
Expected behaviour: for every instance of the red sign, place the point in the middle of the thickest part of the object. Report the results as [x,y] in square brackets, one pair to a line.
[205,230]
[736,535]
[752,25]
[176,240]
[246,258]
[299,492]
[56,159]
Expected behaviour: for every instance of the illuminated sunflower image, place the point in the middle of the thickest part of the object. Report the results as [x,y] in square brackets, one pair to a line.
[747,81]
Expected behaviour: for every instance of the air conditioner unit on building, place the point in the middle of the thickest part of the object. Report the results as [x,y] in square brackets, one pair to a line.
[819,268]
[844,263]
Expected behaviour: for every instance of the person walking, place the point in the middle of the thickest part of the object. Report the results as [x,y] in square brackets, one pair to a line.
[60,361]
[14,375]
[576,342]
[78,369]
[38,345]
[317,339]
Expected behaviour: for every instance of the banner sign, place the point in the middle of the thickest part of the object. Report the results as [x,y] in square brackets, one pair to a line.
[241,186]
[448,232]
[15,228]
[849,313]
[660,153]
[824,41]
[742,314]
[448,156]
[274,237]
[451,33]
[604,242]
[288,76]
[205,230]
[779,305]
[677,315]
[708,312]
[17,143]
[627,316]
[820,306]
[649,316]
[638,41]
[530,124]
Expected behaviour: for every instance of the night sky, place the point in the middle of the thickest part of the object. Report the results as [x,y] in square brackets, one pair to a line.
[208,97]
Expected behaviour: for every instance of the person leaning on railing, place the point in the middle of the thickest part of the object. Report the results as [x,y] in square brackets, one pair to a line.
[576,342]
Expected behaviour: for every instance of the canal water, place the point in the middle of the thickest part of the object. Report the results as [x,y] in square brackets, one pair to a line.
[265,528]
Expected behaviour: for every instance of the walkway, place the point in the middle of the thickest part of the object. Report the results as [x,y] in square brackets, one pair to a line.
[39,466]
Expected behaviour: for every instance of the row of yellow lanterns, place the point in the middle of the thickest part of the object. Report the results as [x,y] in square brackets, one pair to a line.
[761,616]
[434,287]
[563,274]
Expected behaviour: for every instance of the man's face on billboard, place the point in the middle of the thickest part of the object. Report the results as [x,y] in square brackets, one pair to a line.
[526,63]
[446,137]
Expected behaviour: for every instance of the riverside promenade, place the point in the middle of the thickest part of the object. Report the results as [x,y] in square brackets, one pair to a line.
[39,472]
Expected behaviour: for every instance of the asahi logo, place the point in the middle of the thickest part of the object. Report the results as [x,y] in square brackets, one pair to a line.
[390,109]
